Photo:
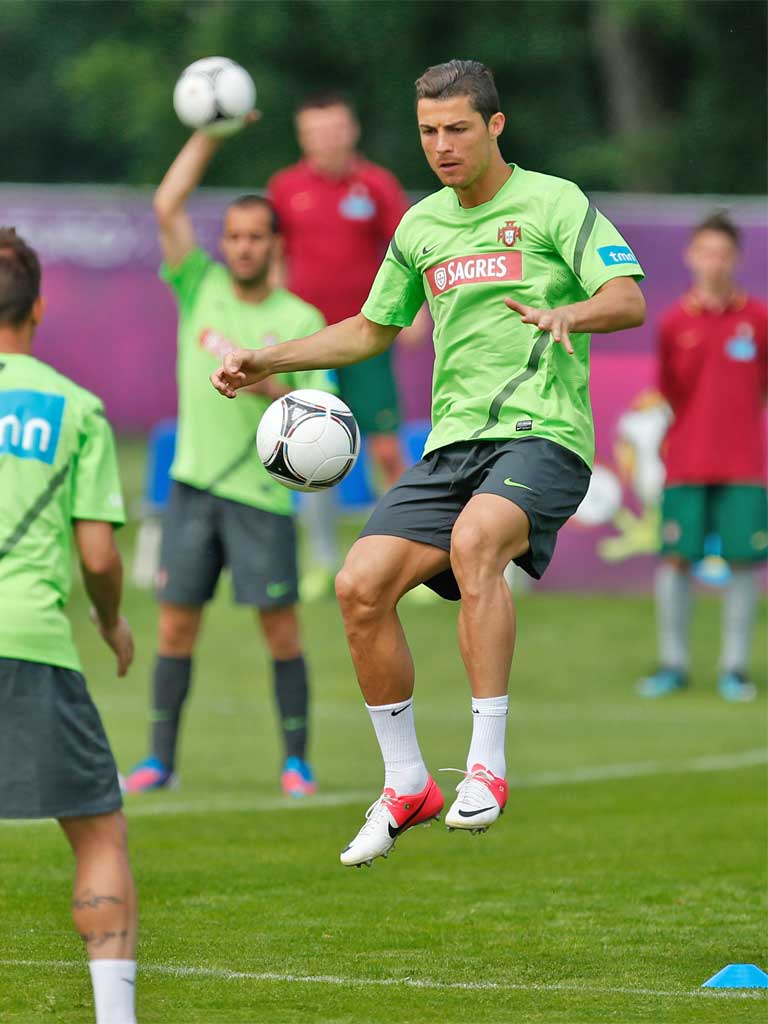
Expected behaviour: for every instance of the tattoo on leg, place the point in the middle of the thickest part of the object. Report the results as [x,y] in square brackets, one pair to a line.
[97,940]
[91,901]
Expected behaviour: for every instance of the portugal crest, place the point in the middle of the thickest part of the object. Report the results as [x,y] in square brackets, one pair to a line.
[509,233]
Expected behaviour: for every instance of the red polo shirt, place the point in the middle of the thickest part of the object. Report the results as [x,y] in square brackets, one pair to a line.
[713,371]
[336,231]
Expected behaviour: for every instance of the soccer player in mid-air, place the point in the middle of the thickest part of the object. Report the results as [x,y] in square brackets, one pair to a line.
[224,508]
[59,490]
[518,269]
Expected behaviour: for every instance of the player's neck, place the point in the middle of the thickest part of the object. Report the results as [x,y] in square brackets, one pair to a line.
[253,293]
[16,340]
[486,187]
[335,171]
[715,295]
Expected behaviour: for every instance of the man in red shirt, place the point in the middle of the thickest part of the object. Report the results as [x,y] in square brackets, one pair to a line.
[713,363]
[337,213]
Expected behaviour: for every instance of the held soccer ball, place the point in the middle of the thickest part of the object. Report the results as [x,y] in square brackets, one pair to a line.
[308,440]
[214,94]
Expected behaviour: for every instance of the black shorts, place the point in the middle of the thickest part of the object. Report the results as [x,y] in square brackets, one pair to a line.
[203,533]
[55,760]
[547,481]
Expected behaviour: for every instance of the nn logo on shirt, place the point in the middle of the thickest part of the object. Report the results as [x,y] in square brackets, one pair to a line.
[30,424]
[493,266]
[616,255]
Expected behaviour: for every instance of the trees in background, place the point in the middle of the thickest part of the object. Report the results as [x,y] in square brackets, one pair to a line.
[620,94]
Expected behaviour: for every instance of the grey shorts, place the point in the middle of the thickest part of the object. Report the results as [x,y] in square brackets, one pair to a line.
[203,533]
[547,481]
[55,760]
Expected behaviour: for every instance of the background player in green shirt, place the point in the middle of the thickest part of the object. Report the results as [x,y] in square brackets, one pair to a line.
[518,269]
[58,484]
[222,500]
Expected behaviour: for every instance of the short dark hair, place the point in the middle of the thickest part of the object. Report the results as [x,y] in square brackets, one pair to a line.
[323,100]
[251,199]
[19,278]
[719,221]
[461,78]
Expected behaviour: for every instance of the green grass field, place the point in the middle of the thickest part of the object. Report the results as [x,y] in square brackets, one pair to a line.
[629,867]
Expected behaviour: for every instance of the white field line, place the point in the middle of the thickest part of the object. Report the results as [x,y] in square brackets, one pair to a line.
[155,806]
[224,974]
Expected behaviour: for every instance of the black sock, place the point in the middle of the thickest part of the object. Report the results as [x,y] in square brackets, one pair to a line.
[170,685]
[292,696]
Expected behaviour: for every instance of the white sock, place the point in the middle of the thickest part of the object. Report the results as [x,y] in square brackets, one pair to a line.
[114,990]
[489,726]
[673,611]
[404,768]
[738,619]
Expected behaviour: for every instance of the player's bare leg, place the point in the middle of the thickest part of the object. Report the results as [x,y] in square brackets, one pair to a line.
[280,627]
[488,534]
[104,911]
[376,574]
[178,629]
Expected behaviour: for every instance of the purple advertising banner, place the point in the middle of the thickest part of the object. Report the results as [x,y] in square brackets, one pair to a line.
[111,325]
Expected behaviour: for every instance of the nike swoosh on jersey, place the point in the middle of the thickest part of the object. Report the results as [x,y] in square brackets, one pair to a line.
[514,483]
[471,814]
[425,251]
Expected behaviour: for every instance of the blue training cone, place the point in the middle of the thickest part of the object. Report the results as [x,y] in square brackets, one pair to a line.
[738,976]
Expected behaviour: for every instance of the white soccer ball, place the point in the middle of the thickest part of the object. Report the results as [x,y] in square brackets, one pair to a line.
[308,440]
[214,94]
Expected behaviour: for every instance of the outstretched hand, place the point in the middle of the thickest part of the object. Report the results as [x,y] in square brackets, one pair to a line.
[241,367]
[557,321]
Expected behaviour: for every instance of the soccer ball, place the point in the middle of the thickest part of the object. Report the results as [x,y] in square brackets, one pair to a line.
[214,94]
[308,440]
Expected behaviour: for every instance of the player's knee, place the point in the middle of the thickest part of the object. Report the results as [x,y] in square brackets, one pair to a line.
[281,632]
[472,550]
[177,633]
[356,593]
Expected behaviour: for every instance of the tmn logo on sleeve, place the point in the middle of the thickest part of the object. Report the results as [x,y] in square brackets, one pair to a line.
[30,424]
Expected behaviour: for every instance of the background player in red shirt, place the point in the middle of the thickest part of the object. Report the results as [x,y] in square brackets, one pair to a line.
[338,213]
[713,358]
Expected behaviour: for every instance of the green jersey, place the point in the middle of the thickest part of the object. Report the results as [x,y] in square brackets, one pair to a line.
[216,439]
[57,463]
[540,241]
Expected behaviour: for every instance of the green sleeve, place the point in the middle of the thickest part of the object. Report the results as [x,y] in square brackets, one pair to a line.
[397,293]
[97,491]
[186,278]
[588,242]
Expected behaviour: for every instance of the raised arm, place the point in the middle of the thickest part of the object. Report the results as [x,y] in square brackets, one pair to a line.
[102,570]
[177,236]
[350,341]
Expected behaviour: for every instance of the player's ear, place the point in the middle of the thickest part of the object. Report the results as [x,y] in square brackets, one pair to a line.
[496,124]
[38,311]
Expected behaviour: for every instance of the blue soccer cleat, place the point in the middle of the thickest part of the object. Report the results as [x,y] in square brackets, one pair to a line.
[736,688]
[149,774]
[297,779]
[662,682]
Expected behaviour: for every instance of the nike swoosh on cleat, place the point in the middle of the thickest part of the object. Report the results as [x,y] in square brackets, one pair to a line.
[399,829]
[399,710]
[471,814]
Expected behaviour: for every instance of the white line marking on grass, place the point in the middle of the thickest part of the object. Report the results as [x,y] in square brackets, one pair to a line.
[152,805]
[423,983]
